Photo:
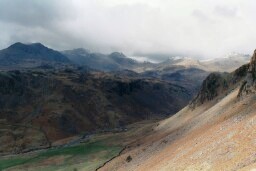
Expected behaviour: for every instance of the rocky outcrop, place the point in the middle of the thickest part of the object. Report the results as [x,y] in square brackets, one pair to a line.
[220,84]
[249,84]
[212,86]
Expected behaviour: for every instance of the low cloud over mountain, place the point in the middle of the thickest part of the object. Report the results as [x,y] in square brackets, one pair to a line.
[206,30]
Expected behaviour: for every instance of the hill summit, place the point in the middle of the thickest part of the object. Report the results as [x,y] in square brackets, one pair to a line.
[29,55]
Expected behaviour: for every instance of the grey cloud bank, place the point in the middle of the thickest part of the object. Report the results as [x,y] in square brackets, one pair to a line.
[198,28]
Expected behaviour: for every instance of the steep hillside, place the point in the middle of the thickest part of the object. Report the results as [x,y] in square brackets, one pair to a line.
[63,103]
[21,55]
[216,134]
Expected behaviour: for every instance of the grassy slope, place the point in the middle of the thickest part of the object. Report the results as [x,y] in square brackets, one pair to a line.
[86,156]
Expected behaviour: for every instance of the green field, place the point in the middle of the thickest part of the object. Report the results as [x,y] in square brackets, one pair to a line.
[86,156]
[83,157]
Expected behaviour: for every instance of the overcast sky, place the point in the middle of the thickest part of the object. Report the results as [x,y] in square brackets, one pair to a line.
[197,28]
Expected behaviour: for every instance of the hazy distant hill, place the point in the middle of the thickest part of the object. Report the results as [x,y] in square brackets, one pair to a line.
[112,62]
[21,55]
[226,64]
[229,63]
[186,62]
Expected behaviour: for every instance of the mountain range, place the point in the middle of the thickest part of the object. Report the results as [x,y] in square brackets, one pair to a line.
[51,97]
[33,55]
[184,71]
[172,115]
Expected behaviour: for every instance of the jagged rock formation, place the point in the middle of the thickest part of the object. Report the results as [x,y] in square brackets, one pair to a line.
[211,87]
[249,85]
[220,84]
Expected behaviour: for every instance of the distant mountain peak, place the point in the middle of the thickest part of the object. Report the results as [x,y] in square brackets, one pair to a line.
[117,54]
[16,45]
[182,61]
[29,55]
[21,45]
[236,55]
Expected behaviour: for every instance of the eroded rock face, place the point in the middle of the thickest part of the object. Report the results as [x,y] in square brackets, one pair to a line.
[249,84]
[218,85]
[212,86]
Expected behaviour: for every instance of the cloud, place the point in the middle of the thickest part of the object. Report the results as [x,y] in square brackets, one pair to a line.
[226,11]
[198,28]
[28,12]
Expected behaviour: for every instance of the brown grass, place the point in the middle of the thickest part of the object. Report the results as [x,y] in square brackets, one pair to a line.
[211,137]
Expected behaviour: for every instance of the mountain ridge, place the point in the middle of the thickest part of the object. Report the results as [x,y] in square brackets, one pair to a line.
[111,62]
[19,55]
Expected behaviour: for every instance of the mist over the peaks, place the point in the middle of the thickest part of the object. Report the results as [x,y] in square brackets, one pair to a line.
[199,28]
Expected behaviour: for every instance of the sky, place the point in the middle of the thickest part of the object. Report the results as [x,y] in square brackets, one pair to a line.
[144,28]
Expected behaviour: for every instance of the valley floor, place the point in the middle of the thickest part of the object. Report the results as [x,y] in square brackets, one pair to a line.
[86,155]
